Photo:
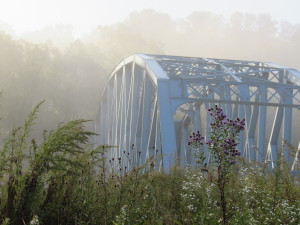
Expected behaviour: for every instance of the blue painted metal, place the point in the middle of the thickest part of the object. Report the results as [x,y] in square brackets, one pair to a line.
[151,103]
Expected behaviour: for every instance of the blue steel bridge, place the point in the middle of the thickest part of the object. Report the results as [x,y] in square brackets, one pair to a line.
[151,103]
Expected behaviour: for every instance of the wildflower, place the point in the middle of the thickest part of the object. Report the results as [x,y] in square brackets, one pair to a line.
[35,220]
[196,139]
[224,150]
[233,162]
[209,142]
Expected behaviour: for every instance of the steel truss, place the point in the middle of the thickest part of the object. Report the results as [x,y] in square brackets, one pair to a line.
[151,103]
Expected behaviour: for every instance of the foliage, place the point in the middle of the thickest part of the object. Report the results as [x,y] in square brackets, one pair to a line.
[222,147]
[64,180]
[61,179]
[71,78]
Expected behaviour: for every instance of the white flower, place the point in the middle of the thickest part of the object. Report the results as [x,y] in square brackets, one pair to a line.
[35,220]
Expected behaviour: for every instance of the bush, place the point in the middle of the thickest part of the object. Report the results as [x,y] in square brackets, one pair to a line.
[65,180]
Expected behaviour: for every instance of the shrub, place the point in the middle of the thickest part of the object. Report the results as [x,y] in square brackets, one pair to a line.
[65,180]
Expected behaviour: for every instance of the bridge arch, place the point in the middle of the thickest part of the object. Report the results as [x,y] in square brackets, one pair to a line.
[150,103]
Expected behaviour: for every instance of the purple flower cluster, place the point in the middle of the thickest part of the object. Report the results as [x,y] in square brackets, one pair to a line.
[237,124]
[224,147]
[219,120]
[218,115]
[229,147]
[196,139]
[209,142]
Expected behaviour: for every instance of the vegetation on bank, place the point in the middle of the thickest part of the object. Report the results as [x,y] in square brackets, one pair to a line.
[63,180]
[59,178]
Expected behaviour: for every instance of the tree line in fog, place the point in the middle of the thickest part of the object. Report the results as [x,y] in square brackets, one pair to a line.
[70,73]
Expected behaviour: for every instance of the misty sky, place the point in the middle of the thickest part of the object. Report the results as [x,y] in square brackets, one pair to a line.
[84,15]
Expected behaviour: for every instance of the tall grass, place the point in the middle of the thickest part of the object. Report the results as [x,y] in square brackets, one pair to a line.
[65,180]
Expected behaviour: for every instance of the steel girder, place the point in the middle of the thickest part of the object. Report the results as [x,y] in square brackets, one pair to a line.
[151,103]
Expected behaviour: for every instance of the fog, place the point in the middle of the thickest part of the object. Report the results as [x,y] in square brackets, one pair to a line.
[69,73]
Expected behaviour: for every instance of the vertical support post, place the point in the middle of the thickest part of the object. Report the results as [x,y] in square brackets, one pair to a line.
[185,152]
[166,124]
[131,95]
[140,122]
[136,110]
[287,126]
[241,144]
[146,117]
[251,132]
[122,113]
[197,118]
[262,125]
[151,141]
[248,114]
[189,123]
[207,132]
[158,146]
[228,106]
[128,103]
[272,146]
[244,113]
